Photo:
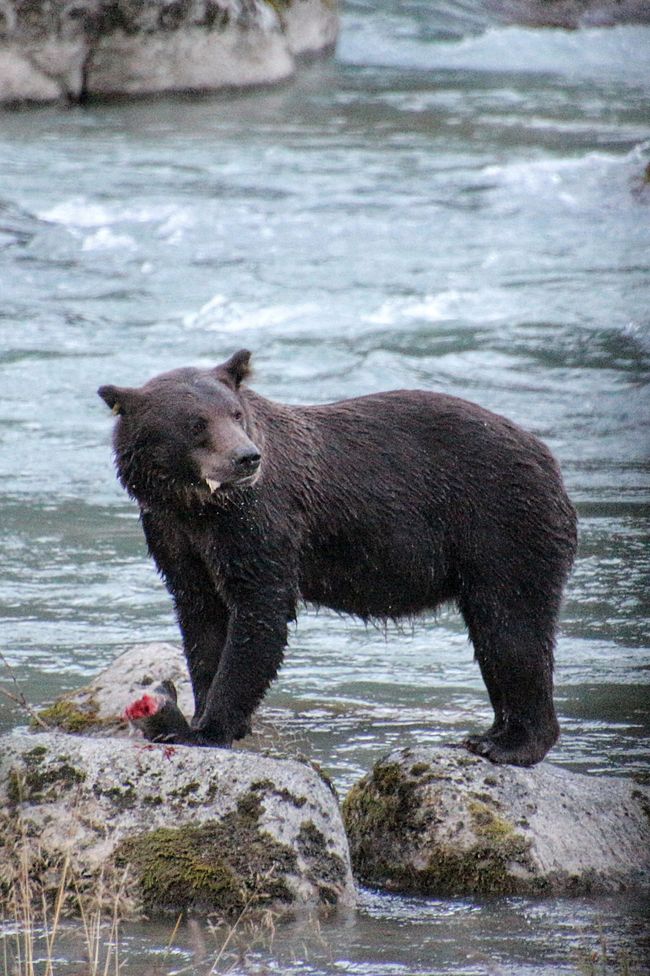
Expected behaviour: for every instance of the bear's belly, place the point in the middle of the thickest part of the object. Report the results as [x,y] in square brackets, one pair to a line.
[373,588]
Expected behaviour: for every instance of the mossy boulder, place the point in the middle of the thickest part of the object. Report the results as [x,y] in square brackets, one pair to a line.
[175,828]
[71,51]
[97,709]
[441,822]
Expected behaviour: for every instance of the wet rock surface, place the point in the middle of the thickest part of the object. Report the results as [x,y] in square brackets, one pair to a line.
[570,14]
[203,830]
[71,51]
[441,822]
[98,709]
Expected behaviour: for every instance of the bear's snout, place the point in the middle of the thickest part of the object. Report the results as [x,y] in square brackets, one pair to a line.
[246,461]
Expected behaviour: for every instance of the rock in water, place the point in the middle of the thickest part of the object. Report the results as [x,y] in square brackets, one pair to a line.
[209,831]
[52,51]
[570,14]
[125,691]
[100,707]
[439,822]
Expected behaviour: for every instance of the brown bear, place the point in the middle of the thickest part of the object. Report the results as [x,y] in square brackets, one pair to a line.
[382,506]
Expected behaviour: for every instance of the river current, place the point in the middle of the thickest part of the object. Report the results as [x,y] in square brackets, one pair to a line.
[449,204]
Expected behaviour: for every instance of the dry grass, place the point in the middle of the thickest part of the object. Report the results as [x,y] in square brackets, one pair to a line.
[35,937]
[32,929]
[603,961]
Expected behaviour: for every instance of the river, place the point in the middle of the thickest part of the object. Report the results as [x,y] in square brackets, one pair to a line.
[449,204]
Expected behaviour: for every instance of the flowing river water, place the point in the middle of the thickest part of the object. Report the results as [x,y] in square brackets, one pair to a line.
[449,204]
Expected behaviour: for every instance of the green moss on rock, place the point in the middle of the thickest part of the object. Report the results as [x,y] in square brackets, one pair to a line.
[486,867]
[124,796]
[42,782]
[221,866]
[69,716]
[391,818]
[326,870]
[279,5]
[185,792]
[383,801]
[35,755]
[266,787]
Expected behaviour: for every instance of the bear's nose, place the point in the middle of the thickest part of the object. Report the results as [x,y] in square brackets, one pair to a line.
[247,460]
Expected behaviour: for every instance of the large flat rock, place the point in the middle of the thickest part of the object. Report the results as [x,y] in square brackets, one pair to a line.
[70,51]
[442,822]
[175,828]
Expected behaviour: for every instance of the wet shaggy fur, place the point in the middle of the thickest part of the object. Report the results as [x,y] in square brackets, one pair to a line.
[382,506]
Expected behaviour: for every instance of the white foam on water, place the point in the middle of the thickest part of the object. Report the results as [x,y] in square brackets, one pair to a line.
[615,52]
[553,170]
[173,228]
[105,240]
[221,315]
[483,305]
[595,179]
[79,212]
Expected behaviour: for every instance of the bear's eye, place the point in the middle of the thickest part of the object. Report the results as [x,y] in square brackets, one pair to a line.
[238,416]
[199,427]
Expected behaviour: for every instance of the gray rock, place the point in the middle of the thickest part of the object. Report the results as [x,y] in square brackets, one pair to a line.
[70,50]
[98,708]
[173,828]
[570,14]
[442,822]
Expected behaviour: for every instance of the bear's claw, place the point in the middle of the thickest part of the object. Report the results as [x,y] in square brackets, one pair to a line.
[505,748]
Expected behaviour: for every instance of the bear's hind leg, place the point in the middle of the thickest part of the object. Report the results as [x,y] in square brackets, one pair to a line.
[515,655]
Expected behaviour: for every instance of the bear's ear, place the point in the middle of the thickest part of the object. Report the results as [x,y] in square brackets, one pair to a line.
[236,369]
[121,399]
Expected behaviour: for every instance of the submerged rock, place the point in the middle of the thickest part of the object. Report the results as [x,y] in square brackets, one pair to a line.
[571,14]
[441,822]
[166,829]
[51,51]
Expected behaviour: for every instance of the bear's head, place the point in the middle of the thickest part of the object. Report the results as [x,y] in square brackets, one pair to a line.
[185,434]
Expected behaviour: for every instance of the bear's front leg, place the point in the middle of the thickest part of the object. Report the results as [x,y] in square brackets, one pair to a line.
[201,613]
[257,636]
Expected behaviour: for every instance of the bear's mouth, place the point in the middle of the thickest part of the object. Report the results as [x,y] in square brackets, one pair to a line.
[244,482]
[247,480]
